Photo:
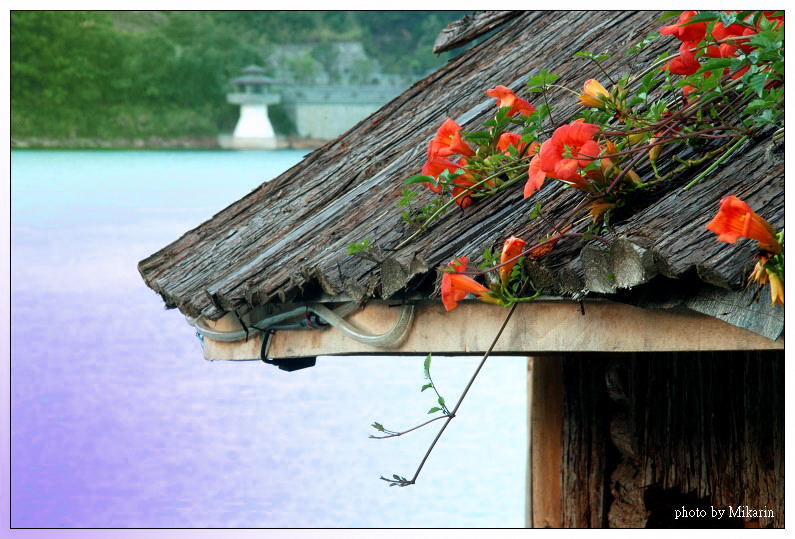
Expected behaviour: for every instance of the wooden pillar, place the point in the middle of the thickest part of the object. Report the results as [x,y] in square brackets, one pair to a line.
[584,452]
[528,508]
[546,424]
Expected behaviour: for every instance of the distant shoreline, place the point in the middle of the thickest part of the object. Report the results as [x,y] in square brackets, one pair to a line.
[148,143]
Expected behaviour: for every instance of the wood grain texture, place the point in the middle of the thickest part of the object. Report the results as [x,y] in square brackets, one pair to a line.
[546,431]
[470,27]
[645,434]
[286,240]
[583,495]
[528,516]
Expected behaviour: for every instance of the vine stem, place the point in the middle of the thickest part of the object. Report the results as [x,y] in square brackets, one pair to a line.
[447,204]
[529,250]
[606,74]
[687,164]
[466,390]
[715,164]
[433,386]
[411,429]
[546,100]
[564,88]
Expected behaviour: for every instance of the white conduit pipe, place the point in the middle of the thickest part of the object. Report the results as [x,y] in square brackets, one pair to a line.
[233,336]
[389,338]
[334,318]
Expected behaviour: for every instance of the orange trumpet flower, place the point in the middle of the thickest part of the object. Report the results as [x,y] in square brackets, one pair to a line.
[511,248]
[592,94]
[448,141]
[434,167]
[506,98]
[456,287]
[735,220]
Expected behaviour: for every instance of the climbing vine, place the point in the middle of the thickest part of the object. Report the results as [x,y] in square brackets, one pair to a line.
[724,85]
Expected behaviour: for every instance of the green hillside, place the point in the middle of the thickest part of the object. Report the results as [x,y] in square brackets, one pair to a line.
[126,74]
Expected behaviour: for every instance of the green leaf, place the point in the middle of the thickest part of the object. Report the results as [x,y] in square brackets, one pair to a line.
[405,197]
[542,79]
[712,82]
[668,15]
[378,426]
[354,248]
[727,19]
[441,401]
[714,64]
[434,410]
[636,48]
[427,366]
[418,178]
[757,83]
[448,176]
[755,105]
[481,138]
[706,16]
[766,40]
[535,212]
[426,386]
[591,56]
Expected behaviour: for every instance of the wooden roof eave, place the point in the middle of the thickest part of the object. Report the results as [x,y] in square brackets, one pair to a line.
[292,233]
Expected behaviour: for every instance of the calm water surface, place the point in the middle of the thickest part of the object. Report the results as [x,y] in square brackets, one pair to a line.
[117,421]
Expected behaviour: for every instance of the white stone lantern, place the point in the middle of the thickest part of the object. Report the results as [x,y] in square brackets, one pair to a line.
[252,91]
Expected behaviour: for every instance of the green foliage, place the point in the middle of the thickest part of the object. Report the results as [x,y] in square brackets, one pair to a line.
[489,258]
[592,56]
[419,178]
[122,74]
[668,15]
[405,197]
[642,44]
[281,121]
[361,246]
[418,217]
[535,212]
[397,481]
[402,41]
[430,385]
[539,82]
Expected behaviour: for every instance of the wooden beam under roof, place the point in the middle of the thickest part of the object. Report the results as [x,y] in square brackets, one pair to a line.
[538,327]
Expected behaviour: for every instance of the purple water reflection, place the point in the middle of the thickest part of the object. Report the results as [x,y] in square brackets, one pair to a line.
[118,422]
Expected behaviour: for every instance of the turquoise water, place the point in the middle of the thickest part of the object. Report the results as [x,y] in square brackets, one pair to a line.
[118,422]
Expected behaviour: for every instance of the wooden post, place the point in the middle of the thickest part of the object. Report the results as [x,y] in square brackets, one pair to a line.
[528,509]
[546,428]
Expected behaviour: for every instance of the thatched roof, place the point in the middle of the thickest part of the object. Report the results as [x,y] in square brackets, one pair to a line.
[286,240]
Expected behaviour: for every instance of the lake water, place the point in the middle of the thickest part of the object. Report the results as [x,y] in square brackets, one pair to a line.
[117,421]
